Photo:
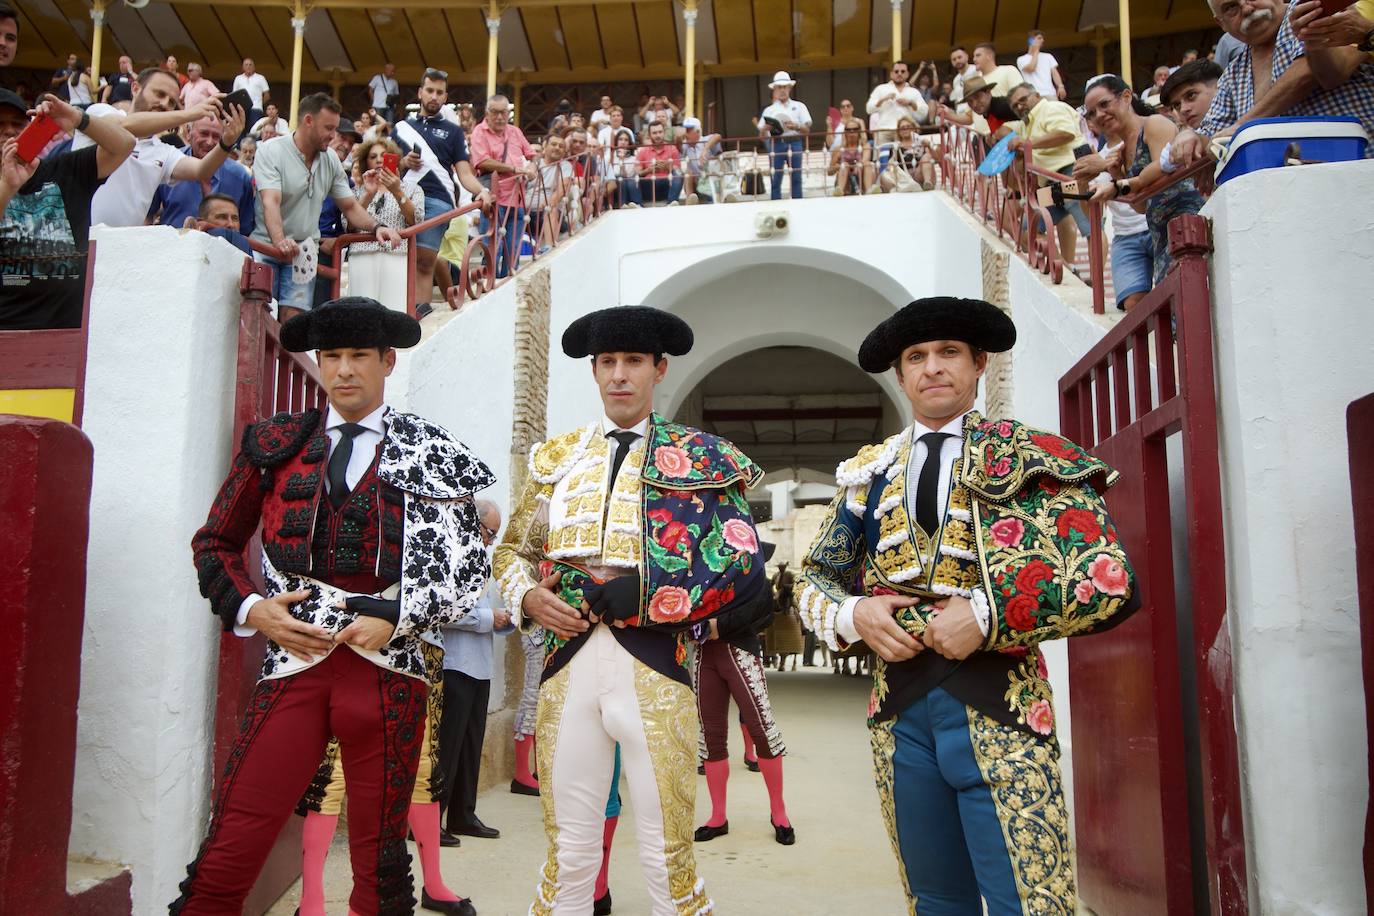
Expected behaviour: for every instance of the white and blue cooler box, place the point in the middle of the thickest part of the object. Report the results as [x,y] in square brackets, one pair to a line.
[1261,144]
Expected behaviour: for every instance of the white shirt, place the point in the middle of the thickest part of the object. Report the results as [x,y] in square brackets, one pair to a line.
[382,86]
[791,110]
[1125,219]
[884,102]
[364,452]
[957,86]
[124,198]
[599,117]
[608,426]
[260,123]
[1042,77]
[949,452]
[254,85]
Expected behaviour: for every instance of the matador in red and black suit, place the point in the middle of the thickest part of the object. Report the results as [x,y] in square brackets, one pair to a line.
[364,518]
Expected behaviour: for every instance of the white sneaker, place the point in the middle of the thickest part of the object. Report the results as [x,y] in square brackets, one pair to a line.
[692,200]
[631,206]
[732,198]
[672,203]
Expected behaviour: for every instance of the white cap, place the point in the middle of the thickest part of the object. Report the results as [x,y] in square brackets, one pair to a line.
[782,78]
[691,124]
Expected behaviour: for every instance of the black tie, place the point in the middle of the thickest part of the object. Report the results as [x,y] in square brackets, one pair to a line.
[625,439]
[928,484]
[337,473]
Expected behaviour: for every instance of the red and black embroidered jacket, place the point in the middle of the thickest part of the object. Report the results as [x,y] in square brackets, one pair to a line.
[278,480]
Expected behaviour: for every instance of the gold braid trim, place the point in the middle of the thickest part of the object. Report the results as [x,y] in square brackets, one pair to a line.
[668,713]
[1022,774]
[548,717]
[884,746]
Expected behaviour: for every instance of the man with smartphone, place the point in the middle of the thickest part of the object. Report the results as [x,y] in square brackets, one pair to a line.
[47,209]
[126,198]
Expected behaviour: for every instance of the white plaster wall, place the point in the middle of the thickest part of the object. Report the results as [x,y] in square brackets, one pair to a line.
[159,392]
[1294,345]
[461,377]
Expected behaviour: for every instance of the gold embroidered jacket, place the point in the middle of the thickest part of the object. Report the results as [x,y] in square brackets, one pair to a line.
[1025,534]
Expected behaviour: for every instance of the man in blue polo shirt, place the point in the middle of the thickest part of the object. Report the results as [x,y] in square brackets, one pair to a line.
[175,202]
[436,151]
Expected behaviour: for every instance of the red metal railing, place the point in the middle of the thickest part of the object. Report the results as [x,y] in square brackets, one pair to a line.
[1155,744]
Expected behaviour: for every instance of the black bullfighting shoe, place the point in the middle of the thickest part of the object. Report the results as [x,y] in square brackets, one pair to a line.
[706,832]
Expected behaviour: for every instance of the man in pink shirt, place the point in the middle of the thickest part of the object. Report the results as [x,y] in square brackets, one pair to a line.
[660,168]
[504,157]
[197,88]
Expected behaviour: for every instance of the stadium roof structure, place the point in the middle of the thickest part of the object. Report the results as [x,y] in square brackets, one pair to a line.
[566,41]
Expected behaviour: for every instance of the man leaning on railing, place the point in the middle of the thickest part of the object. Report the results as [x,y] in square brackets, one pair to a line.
[1276,74]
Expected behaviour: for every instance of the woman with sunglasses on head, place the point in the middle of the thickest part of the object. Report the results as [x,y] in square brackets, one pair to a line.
[1117,113]
[909,156]
[372,268]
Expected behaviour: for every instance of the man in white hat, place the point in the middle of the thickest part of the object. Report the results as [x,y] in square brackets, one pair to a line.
[785,122]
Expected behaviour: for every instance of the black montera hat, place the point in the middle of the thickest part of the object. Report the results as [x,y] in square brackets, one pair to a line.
[353,321]
[627,329]
[977,323]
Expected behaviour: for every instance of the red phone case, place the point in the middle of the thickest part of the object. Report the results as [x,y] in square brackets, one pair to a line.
[1332,7]
[37,135]
[392,163]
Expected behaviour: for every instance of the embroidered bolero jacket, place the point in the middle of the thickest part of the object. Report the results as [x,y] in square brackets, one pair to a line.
[1025,536]
[429,539]
[677,514]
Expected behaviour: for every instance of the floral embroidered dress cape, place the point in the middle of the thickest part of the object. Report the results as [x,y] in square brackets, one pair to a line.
[1026,534]
[677,514]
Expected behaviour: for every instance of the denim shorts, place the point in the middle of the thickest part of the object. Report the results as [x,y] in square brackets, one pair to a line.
[433,237]
[1132,264]
[1072,208]
[285,289]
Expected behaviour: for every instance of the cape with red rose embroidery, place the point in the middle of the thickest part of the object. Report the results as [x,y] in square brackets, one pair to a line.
[1002,456]
[685,458]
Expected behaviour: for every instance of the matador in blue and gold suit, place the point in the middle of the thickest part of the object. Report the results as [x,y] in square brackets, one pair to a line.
[964,752]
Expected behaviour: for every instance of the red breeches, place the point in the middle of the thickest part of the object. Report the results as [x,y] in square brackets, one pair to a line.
[378,717]
[723,671]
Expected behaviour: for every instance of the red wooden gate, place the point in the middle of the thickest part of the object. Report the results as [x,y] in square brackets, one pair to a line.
[1359,428]
[1155,761]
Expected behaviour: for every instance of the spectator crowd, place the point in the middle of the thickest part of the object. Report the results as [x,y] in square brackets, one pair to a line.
[161,146]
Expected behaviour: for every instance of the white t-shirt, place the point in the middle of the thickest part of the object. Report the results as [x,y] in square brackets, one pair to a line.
[1041,77]
[599,117]
[1125,219]
[382,87]
[281,126]
[791,110]
[124,198]
[255,85]
[549,173]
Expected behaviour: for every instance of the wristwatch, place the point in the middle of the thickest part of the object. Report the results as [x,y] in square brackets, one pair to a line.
[1367,45]
[227,149]
[1123,188]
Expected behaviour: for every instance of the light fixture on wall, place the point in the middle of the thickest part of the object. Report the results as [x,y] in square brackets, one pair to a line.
[770,223]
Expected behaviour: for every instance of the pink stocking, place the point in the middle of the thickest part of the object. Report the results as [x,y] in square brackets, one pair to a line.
[603,876]
[749,753]
[771,767]
[524,753]
[424,823]
[717,775]
[315,840]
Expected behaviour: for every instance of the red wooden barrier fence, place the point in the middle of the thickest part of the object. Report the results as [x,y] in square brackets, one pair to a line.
[1359,424]
[45,496]
[1157,802]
